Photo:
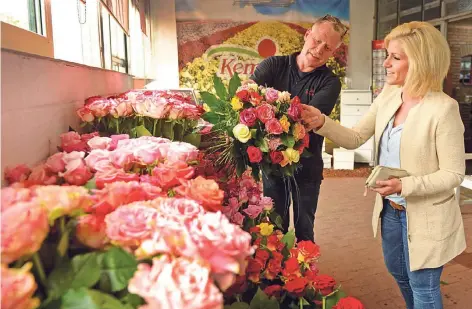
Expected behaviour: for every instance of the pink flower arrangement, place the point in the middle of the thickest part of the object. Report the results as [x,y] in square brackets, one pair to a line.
[18,287]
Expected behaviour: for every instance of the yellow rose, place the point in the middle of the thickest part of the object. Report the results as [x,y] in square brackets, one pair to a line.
[266,229]
[236,104]
[290,156]
[242,133]
[284,123]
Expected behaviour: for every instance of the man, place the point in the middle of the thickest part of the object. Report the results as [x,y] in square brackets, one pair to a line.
[305,75]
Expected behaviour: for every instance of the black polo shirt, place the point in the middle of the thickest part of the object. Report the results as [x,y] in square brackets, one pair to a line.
[319,88]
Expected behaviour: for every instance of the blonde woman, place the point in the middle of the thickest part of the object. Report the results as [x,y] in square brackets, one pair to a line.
[416,127]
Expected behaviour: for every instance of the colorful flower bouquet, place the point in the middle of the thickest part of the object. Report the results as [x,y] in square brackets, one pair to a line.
[169,114]
[256,127]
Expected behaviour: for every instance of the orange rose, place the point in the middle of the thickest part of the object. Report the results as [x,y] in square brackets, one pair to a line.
[18,287]
[24,228]
[206,192]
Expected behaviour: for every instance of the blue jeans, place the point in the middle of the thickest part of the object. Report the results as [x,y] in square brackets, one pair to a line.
[420,288]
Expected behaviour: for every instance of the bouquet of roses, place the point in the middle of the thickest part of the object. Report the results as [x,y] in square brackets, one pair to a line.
[255,127]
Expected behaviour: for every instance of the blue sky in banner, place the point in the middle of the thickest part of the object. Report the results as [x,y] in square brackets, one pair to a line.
[237,10]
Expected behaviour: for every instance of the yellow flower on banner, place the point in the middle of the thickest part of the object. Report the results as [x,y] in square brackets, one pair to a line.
[236,104]
[266,229]
[284,123]
[242,133]
[290,156]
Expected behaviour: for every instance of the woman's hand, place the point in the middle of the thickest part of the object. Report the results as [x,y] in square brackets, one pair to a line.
[388,187]
[312,117]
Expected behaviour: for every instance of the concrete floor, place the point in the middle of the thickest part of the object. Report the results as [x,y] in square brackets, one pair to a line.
[354,258]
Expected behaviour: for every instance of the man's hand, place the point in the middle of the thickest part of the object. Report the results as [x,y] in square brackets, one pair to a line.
[387,187]
[312,117]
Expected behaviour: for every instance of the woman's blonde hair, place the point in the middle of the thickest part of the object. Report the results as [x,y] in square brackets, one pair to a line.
[428,55]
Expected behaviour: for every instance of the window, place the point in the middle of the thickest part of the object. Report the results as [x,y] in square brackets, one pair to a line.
[25,14]
[26,27]
[113,43]
[466,70]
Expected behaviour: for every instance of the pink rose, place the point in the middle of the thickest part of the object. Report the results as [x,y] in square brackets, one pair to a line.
[265,112]
[18,287]
[99,107]
[11,196]
[71,141]
[148,154]
[295,111]
[24,228]
[88,136]
[187,285]
[253,211]
[254,154]
[85,114]
[170,174]
[98,142]
[113,175]
[237,218]
[274,143]
[273,126]
[40,175]
[181,151]
[129,225]
[122,158]
[18,173]
[266,203]
[121,109]
[91,231]
[248,117]
[271,95]
[177,209]
[77,173]
[95,156]
[115,139]
[224,245]
[120,193]
[55,163]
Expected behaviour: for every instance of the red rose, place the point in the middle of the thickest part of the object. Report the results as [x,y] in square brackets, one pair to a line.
[274,267]
[295,100]
[277,256]
[255,154]
[265,112]
[171,174]
[239,286]
[253,270]
[243,95]
[248,117]
[273,290]
[273,126]
[349,303]
[254,229]
[296,286]
[262,256]
[292,268]
[295,112]
[273,243]
[276,157]
[255,98]
[324,283]
[309,250]
[310,275]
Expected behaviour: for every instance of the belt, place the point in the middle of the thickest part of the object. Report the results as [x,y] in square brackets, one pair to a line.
[396,206]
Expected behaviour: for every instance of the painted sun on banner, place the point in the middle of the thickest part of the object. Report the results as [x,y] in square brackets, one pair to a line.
[233,36]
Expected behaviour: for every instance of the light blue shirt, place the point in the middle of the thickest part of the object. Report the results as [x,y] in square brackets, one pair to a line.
[389,154]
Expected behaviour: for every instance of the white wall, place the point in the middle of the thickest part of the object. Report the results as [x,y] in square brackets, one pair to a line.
[362,20]
[164,45]
[39,100]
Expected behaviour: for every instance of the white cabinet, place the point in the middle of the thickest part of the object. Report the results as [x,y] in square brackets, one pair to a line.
[354,105]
